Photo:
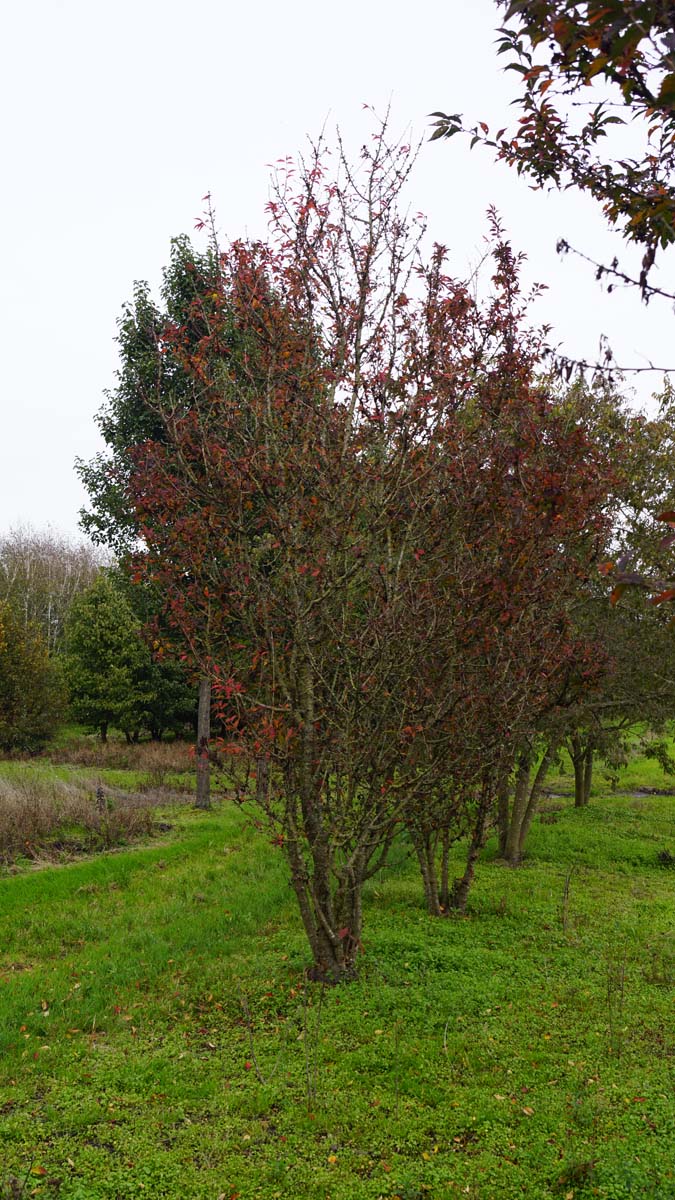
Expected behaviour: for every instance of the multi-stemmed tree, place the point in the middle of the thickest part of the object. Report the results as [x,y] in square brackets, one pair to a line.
[363,525]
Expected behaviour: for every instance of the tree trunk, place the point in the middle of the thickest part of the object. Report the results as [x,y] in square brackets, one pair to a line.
[520,801]
[103,731]
[582,761]
[588,772]
[577,754]
[503,815]
[445,863]
[535,794]
[333,922]
[460,890]
[203,736]
[425,849]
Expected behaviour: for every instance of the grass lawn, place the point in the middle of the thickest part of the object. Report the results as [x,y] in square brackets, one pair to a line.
[158,1037]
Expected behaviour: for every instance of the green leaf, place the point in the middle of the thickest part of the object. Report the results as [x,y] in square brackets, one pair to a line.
[667,92]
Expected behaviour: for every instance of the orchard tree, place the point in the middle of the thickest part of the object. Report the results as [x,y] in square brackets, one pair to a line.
[32,695]
[622,673]
[323,524]
[530,524]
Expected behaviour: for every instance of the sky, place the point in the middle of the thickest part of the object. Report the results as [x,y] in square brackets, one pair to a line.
[119,117]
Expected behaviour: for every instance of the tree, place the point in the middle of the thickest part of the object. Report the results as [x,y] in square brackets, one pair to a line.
[31,686]
[328,525]
[151,368]
[105,660]
[164,678]
[622,673]
[115,678]
[40,574]
[587,68]
[532,523]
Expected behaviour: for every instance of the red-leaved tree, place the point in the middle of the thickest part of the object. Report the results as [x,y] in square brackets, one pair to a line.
[359,527]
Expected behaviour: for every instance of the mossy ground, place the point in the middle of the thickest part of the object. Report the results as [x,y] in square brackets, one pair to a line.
[159,1038]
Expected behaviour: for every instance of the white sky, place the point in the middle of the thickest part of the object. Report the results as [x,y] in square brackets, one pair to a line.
[118,117]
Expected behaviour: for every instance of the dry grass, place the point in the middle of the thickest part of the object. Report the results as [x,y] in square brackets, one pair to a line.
[47,819]
[155,760]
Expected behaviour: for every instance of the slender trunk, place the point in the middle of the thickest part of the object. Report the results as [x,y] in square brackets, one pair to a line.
[425,849]
[460,889]
[203,736]
[503,815]
[520,801]
[577,755]
[103,731]
[535,794]
[588,772]
[445,862]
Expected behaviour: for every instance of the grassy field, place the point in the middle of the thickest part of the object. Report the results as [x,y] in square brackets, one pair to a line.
[159,1039]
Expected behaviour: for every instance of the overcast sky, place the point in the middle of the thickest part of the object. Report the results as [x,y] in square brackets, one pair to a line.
[118,117]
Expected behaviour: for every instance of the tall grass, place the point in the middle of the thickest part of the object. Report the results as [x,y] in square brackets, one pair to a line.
[153,765]
[43,817]
[152,758]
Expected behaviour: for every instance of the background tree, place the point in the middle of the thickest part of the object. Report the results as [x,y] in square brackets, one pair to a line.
[627,679]
[32,694]
[152,340]
[116,678]
[530,523]
[40,575]
[164,678]
[105,661]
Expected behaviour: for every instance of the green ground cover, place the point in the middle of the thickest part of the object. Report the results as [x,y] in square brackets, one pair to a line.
[158,1037]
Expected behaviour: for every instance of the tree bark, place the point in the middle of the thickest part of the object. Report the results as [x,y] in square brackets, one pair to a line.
[520,801]
[588,772]
[445,865]
[333,922]
[535,794]
[203,800]
[460,890]
[425,849]
[503,815]
[578,756]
